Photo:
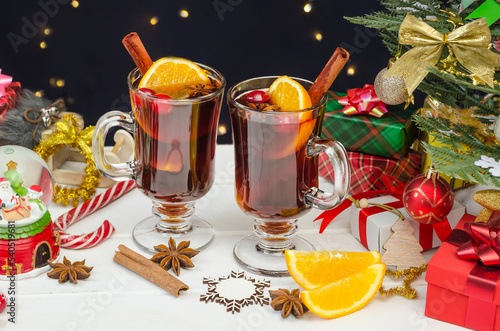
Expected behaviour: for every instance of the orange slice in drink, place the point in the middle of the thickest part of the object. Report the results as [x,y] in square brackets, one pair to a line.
[319,268]
[289,95]
[170,74]
[305,132]
[345,295]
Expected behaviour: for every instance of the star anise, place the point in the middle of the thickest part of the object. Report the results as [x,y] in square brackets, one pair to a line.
[198,90]
[173,256]
[264,106]
[66,271]
[288,302]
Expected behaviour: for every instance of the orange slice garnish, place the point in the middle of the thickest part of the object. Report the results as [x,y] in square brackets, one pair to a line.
[171,74]
[288,94]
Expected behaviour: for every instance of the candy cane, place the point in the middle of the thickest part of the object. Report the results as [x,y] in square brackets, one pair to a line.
[89,240]
[87,208]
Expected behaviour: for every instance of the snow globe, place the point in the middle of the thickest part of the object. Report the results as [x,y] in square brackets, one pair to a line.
[28,237]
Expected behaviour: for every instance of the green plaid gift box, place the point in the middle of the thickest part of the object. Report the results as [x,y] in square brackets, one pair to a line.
[388,136]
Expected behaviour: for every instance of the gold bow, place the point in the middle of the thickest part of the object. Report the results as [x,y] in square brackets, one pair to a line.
[68,133]
[468,43]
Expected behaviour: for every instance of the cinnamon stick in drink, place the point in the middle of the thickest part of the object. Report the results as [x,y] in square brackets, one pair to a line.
[149,270]
[328,74]
[136,49]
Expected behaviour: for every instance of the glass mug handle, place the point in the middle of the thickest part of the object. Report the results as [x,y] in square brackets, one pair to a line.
[116,171]
[337,156]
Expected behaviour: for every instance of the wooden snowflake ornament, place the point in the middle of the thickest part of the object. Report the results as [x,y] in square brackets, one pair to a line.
[235,291]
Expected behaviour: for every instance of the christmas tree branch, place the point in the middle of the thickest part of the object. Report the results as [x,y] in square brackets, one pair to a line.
[463,140]
[378,20]
[454,135]
[460,166]
[465,82]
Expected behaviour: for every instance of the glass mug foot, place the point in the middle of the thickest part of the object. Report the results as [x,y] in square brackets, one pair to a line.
[148,233]
[254,257]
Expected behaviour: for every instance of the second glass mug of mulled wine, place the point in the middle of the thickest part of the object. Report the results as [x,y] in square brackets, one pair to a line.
[173,162]
[276,161]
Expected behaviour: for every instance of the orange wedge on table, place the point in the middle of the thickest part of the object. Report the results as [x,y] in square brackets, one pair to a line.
[337,283]
[169,75]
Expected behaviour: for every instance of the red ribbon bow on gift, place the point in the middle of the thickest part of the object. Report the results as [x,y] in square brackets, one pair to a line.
[484,244]
[4,82]
[363,101]
[393,186]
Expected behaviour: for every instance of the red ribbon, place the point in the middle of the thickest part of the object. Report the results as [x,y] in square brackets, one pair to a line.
[480,288]
[366,212]
[10,98]
[484,244]
[393,187]
[4,82]
[425,233]
[363,101]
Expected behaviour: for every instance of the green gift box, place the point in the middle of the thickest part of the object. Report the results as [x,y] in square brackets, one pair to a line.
[389,136]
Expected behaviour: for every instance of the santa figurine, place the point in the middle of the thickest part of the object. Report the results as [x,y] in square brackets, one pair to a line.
[34,195]
[8,198]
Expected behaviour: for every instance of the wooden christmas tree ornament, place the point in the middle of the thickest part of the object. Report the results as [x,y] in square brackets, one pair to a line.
[402,249]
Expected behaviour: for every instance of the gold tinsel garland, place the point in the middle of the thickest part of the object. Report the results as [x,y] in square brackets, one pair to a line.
[406,290]
[68,133]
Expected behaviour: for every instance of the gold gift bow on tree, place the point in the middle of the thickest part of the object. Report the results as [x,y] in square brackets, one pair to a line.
[68,133]
[469,43]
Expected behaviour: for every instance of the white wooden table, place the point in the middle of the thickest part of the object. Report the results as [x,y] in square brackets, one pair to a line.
[114,298]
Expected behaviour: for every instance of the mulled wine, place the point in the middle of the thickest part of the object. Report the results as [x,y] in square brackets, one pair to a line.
[276,150]
[273,171]
[175,144]
[175,129]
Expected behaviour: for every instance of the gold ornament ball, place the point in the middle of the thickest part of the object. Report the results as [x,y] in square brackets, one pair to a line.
[390,90]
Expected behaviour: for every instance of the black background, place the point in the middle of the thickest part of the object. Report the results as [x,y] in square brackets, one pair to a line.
[240,38]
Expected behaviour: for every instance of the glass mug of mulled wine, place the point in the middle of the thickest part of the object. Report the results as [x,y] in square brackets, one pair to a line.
[173,161]
[276,161]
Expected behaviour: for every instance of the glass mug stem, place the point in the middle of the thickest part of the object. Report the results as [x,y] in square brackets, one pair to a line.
[173,217]
[275,237]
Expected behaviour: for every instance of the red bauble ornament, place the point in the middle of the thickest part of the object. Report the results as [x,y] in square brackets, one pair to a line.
[3,302]
[428,198]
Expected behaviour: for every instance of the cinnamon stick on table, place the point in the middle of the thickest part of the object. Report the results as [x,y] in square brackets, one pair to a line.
[328,74]
[136,49]
[149,270]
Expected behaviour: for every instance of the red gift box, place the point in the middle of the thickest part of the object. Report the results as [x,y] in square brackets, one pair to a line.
[10,99]
[367,170]
[453,294]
